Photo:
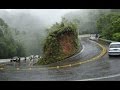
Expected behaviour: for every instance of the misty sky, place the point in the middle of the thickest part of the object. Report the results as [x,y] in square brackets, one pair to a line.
[49,15]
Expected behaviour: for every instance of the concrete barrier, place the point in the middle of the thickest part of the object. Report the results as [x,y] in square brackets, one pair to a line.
[8,60]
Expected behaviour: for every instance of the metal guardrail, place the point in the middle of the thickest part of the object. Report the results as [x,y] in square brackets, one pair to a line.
[106,41]
[101,40]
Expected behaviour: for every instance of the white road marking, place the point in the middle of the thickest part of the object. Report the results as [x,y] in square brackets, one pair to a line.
[106,77]
[82,49]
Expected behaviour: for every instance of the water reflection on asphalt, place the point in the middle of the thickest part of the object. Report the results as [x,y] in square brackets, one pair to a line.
[102,67]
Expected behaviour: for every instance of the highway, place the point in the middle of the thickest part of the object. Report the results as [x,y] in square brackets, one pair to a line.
[92,64]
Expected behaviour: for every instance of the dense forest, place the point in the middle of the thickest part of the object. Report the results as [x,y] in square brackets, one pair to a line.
[105,22]
[87,18]
[8,46]
[108,26]
[27,28]
[24,34]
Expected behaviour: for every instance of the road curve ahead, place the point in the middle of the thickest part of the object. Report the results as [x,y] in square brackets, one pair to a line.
[93,70]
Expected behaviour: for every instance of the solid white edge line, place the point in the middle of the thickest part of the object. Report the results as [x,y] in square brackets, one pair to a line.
[78,53]
[82,49]
[106,77]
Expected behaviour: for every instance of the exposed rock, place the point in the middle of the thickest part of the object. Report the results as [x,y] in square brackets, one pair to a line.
[60,43]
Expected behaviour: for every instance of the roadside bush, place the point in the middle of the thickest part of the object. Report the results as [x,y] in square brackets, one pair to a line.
[116,37]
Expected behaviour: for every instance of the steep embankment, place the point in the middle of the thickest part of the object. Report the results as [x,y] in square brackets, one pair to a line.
[67,44]
[61,43]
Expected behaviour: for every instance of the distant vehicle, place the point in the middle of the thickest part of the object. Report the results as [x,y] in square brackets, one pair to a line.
[14,59]
[114,48]
[92,37]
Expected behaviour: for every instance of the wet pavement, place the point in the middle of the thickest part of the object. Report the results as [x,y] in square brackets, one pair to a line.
[104,67]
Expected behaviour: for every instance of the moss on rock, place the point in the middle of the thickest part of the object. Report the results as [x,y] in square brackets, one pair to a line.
[61,42]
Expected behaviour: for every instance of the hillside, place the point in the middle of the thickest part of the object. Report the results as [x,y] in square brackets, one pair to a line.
[61,43]
[8,46]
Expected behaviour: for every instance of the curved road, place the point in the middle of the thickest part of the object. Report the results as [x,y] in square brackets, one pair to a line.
[103,69]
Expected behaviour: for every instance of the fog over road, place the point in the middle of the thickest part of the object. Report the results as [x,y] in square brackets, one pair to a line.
[103,69]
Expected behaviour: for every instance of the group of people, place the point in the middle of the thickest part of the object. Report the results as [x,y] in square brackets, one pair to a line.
[96,36]
[18,59]
[31,60]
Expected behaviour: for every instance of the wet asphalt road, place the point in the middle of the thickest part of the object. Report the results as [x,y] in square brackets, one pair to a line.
[103,69]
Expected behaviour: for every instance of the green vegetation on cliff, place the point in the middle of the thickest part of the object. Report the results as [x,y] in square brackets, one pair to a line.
[61,42]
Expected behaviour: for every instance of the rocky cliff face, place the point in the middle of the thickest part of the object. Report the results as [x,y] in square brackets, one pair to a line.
[60,43]
[67,44]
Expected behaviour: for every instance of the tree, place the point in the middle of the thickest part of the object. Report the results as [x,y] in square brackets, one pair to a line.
[1,33]
[8,46]
[116,37]
[3,50]
[108,25]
